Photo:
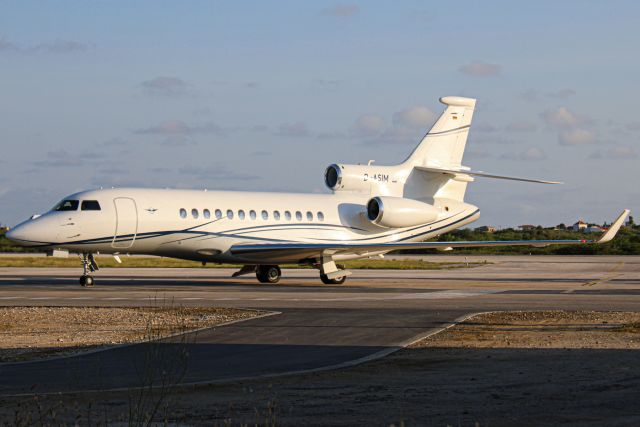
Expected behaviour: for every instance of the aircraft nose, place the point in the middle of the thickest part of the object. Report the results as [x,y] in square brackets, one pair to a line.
[19,235]
[13,234]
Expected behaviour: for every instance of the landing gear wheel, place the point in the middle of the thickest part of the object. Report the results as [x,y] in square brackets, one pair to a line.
[89,265]
[327,281]
[268,273]
[86,281]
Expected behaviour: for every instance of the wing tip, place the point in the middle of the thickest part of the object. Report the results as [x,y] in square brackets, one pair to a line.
[615,227]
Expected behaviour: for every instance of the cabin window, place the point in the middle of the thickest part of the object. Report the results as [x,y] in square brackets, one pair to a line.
[194,213]
[276,215]
[320,216]
[265,215]
[309,216]
[183,213]
[299,215]
[218,213]
[67,205]
[252,214]
[241,214]
[287,215]
[229,214]
[90,205]
[206,214]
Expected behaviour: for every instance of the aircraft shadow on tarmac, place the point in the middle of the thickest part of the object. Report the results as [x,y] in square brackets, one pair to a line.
[170,363]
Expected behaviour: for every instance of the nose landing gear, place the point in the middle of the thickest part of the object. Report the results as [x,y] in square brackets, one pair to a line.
[89,265]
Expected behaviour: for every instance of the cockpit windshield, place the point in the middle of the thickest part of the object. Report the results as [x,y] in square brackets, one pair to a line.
[90,205]
[67,205]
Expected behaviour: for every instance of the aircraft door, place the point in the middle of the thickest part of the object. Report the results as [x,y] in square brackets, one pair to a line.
[126,223]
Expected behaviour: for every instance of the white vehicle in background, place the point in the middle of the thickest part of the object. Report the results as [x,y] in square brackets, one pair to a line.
[372,210]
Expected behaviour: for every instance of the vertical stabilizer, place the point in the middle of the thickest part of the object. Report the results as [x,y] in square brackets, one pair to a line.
[443,146]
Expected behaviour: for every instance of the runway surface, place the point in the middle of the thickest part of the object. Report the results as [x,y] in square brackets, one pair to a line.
[314,326]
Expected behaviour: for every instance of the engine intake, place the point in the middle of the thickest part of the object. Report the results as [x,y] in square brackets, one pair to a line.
[333,177]
[398,212]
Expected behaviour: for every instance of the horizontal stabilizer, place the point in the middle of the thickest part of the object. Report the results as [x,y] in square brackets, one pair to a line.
[463,172]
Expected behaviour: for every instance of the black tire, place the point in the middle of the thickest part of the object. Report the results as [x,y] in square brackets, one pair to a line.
[268,273]
[327,281]
[86,281]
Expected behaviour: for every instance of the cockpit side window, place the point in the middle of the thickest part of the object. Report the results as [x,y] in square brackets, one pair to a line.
[67,205]
[90,205]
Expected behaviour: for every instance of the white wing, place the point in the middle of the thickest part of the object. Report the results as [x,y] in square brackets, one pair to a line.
[296,252]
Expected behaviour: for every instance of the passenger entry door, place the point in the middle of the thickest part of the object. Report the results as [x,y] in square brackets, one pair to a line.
[126,223]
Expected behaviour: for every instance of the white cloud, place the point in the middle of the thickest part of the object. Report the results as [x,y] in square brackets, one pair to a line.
[368,125]
[55,47]
[480,69]
[531,154]
[484,127]
[633,126]
[165,86]
[561,94]
[617,153]
[560,118]
[406,126]
[297,129]
[521,126]
[530,95]
[343,10]
[59,46]
[482,153]
[414,117]
[178,127]
[577,137]
[327,83]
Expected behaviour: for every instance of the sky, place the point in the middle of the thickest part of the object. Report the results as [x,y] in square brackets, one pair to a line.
[264,95]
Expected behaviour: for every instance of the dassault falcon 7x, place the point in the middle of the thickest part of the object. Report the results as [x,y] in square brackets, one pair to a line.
[372,210]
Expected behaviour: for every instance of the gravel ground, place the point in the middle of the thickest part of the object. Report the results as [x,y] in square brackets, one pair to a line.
[29,333]
[542,329]
[558,368]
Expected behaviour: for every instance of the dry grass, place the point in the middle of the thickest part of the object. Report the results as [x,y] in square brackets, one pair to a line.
[157,262]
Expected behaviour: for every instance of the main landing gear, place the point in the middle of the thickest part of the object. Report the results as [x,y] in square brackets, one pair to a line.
[330,272]
[268,273]
[89,265]
[335,281]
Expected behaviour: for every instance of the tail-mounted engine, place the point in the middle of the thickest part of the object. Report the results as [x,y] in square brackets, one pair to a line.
[398,212]
[365,178]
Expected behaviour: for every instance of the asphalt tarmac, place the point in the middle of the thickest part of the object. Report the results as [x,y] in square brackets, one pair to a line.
[310,326]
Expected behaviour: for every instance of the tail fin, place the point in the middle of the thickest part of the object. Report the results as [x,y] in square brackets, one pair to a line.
[443,146]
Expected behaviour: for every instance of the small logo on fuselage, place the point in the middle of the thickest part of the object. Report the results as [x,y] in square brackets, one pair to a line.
[151,210]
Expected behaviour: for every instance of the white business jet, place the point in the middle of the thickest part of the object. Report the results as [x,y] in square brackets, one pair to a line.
[372,210]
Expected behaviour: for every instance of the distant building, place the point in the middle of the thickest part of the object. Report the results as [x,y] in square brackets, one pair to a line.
[594,229]
[527,227]
[579,226]
[485,229]
[630,222]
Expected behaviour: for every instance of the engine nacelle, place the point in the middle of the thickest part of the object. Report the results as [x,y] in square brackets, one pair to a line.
[398,212]
[364,178]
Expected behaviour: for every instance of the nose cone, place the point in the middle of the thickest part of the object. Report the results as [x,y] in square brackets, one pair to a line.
[23,234]
[15,235]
